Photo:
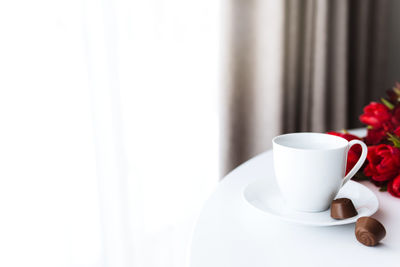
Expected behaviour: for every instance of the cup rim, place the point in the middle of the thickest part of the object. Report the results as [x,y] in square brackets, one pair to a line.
[341,142]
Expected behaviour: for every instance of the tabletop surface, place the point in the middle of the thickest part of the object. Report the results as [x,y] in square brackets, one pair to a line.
[231,233]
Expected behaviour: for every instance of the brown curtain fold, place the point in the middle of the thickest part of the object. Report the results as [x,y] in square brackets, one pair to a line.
[316,84]
[236,102]
[332,62]
[368,54]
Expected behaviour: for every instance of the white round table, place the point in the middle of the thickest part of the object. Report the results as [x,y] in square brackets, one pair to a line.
[231,233]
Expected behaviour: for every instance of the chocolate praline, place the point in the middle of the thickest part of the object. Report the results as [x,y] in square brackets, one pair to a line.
[369,231]
[342,208]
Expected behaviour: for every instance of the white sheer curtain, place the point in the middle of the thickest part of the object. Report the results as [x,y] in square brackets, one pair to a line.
[109,129]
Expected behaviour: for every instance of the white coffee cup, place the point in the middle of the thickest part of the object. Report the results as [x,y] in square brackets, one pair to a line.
[310,168]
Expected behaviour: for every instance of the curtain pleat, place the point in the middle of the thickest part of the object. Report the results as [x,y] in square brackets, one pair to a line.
[337,68]
[236,101]
[292,45]
[319,41]
[367,42]
[315,65]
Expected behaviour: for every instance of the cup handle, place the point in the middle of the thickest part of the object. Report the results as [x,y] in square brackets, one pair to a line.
[360,161]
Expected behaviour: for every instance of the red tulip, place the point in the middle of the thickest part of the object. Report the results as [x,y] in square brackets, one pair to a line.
[374,137]
[383,162]
[393,186]
[377,115]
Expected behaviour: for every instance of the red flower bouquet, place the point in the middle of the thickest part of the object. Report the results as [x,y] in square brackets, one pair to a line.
[382,166]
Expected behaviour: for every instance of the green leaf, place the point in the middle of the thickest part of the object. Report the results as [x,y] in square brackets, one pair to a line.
[383,188]
[369,127]
[360,176]
[387,103]
[394,139]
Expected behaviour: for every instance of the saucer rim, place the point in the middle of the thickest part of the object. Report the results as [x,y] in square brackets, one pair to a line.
[308,223]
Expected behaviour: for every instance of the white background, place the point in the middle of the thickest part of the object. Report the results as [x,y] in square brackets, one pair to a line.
[109,129]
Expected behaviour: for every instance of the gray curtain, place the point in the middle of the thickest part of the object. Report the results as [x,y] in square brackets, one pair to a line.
[333,59]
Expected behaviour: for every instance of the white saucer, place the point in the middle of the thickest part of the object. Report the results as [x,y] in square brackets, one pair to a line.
[264,195]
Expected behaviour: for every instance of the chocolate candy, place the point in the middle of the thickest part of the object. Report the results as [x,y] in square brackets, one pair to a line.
[369,231]
[342,208]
